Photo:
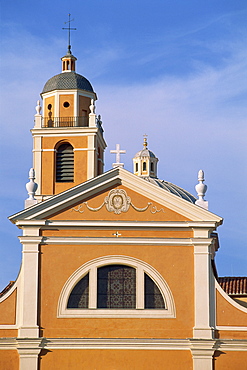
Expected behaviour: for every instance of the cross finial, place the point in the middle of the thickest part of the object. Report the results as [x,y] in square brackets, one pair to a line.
[118,151]
[69,29]
[145,141]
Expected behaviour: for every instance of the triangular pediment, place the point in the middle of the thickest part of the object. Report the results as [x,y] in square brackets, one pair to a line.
[116,194]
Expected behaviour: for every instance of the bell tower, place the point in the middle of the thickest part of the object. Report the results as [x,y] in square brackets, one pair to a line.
[68,143]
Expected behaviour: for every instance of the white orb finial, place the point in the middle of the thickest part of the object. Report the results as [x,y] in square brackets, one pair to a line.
[201,189]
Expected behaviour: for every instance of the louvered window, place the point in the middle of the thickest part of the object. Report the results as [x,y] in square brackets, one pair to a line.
[65,163]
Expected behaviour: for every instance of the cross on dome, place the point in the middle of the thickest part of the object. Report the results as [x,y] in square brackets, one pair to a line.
[69,29]
[117,151]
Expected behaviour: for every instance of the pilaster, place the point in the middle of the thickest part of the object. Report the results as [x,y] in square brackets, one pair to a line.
[28,350]
[29,288]
[202,354]
[204,299]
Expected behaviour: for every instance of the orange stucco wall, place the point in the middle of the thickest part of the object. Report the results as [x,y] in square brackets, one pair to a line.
[228,315]
[69,111]
[84,104]
[58,262]
[116,360]
[154,211]
[8,333]
[8,309]
[231,360]
[47,101]
[48,185]
[9,360]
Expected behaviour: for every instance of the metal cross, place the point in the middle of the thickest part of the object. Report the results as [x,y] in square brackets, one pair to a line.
[117,234]
[117,151]
[69,29]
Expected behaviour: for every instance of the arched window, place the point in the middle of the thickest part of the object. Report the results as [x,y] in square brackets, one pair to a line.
[152,167]
[65,163]
[136,167]
[126,287]
[144,166]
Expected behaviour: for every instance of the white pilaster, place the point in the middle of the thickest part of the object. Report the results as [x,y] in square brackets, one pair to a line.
[91,157]
[204,306]
[202,353]
[28,350]
[37,153]
[29,288]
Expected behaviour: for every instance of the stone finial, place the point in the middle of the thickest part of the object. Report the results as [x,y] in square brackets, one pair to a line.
[31,187]
[201,189]
[38,108]
[92,107]
[118,151]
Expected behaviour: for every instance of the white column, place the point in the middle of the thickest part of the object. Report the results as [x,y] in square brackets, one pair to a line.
[203,296]
[29,288]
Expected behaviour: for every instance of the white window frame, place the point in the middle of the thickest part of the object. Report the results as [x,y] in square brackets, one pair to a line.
[94,312]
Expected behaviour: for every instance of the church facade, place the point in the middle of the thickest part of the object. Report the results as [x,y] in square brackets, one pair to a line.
[118,268]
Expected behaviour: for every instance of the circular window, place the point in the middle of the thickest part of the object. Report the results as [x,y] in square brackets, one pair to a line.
[66,104]
[49,106]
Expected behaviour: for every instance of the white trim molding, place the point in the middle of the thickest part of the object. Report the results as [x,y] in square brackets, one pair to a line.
[141,268]
[229,299]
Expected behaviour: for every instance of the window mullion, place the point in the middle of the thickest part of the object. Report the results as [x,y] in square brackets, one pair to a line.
[92,288]
[139,288]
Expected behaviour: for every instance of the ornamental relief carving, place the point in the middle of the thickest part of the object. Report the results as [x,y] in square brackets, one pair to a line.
[117,201]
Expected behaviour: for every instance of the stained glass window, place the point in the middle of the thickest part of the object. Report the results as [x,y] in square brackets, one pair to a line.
[116,287]
[79,295]
[153,297]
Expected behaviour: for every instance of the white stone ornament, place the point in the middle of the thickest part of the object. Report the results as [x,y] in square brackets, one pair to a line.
[38,108]
[201,189]
[92,107]
[31,187]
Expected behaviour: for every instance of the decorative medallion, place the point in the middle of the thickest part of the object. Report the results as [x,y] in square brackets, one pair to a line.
[117,201]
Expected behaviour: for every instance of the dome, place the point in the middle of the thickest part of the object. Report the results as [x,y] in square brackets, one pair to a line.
[145,153]
[67,81]
[174,189]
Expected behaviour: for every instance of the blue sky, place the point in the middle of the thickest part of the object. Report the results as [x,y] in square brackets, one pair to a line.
[174,70]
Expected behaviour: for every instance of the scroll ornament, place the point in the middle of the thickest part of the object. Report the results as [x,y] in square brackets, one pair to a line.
[117,201]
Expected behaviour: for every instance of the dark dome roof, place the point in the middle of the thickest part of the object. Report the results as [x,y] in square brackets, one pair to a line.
[67,81]
[174,189]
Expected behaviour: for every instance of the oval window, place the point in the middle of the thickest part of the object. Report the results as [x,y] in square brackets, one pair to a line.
[66,104]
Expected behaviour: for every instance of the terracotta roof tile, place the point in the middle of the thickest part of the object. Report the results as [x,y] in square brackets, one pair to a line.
[233,285]
[7,288]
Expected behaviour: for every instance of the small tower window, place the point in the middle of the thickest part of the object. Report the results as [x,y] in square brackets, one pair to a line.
[152,166]
[144,166]
[66,104]
[136,167]
[65,163]
[49,106]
